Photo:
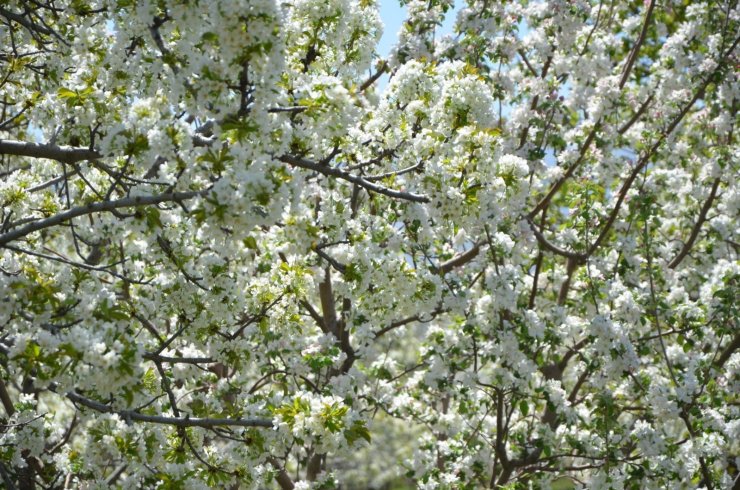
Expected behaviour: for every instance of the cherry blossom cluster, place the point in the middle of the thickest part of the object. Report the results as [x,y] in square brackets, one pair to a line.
[239,248]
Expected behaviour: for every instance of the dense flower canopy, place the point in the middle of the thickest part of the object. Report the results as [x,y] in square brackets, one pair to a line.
[239,249]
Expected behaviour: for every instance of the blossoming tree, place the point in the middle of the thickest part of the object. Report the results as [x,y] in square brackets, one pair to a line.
[240,250]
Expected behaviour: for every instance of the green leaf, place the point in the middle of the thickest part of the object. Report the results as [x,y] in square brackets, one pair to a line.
[524,407]
[210,37]
[352,273]
[250,242]
[153,220]
[563,483]
[66,93]
[357,431]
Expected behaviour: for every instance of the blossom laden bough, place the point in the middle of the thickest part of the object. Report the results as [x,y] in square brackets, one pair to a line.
[240,249]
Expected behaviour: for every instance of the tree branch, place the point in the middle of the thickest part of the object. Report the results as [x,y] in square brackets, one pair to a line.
[340,174]
[96,207]
[458,260]
[729,350]
[282,478]
[636,48]
[407,320]
[636,116]
[5,399]
[547,245]
[383,68]
[175,421]
[328,305]
[697,226]
[568,173]
[30,25]
[66,154]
